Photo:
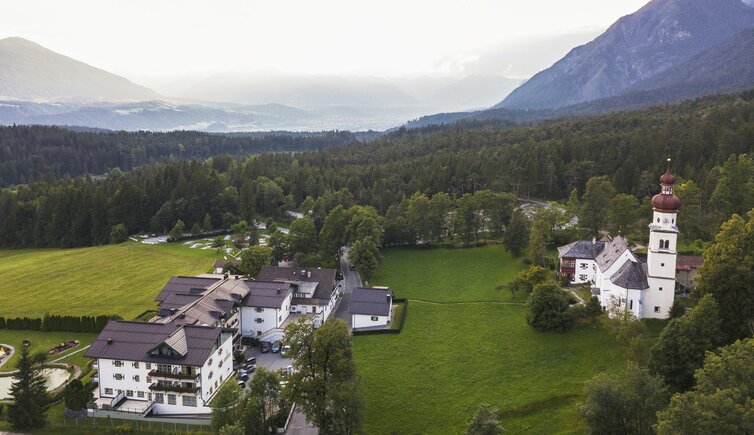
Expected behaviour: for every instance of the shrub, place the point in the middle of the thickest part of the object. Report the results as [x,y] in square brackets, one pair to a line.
[548,309]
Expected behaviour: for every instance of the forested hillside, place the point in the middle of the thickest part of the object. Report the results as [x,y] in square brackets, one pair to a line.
[550,160]
[28,153]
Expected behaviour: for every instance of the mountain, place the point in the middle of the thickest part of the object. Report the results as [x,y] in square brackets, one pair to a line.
[29,71]
[661,35]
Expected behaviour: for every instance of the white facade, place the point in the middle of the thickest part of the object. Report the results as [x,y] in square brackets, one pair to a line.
[366,321]
[584,271]
[661,259]
[172,385]
[255,321]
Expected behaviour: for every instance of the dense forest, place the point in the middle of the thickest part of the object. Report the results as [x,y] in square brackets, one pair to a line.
[708,139]
[30,153]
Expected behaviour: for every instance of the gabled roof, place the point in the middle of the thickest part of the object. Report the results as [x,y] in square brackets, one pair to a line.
[584,249]
[266,294]
[186,285]
[134,341]
[612,251]
[688,262]
[325,279]
[631,276]
[215,304]
[371,301]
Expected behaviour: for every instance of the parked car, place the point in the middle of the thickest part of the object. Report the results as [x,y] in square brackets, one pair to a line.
[252,360]
[285,351]
[242,384]
[265,346]
[276,347]
[249,368]
[244,377]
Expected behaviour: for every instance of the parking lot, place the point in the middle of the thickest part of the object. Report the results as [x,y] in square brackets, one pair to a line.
[270,361]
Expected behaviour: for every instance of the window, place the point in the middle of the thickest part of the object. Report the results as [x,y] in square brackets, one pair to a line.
[631,304]
[149,380]
[159,397]
[129,393]
[136,378]
[149,366]
[662,264]
[188,400]
[259,310]
[259,320]
[108,391]
[582,277]
[118,376]
[172,399]
[220,364]
[136,364]
[210,362]
[657,309]
[140,394]
[117,363]
[210,375]
[582,265]
[660,288]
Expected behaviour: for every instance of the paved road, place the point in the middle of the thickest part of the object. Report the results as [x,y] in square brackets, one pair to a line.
[299,426]
[351,280]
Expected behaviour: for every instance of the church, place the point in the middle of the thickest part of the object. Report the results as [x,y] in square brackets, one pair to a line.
[644,286]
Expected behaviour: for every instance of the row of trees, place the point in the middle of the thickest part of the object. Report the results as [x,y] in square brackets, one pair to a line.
[53,322]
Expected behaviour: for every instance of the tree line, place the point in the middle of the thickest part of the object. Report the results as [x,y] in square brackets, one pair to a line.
[53,322]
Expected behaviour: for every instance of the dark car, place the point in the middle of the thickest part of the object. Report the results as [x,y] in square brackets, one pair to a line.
[276,347]
[265,346]
[243,377]
[250,368]
[242,384]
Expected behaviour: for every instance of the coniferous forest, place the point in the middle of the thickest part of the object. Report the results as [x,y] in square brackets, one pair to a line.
[709,140]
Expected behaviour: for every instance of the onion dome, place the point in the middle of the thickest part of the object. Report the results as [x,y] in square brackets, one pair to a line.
[666,201]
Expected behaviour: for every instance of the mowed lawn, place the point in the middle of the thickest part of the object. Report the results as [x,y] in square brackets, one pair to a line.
[114,279]
[450,356]
[42,342]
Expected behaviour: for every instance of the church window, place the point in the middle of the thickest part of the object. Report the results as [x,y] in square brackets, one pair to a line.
[631,304]
[660,288]
[657,309]
[658,220]
[662,264]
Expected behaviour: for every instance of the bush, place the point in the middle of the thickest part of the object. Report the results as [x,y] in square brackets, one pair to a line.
[548,309]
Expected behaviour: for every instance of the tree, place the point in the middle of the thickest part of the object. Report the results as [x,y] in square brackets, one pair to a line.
[419,218]
[623,403]
[178,229]
[226,406]
[597,196]
[593,307]
[547,309]
[628,331]
[364,255]
[218,243]
[265,386]
[466,218]
[254,258]
[207,223]
[680,350]
[728,275]
[332,235]
[76,395]
[529,278]
[278,242]
[29,392]
[538,240]
[622,212]
[722,400]
[231,429]
[691,197]
[118,234]
[302,236]
[516,235]
[486,421]
[196,229]
[324,381]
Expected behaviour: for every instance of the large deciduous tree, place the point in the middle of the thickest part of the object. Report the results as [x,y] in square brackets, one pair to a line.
[548,309]
[364,255]
[722,400]
[594,203]
[254,258]
[728,274]
[516,235]
[623,403]
[682,345]
[324,382]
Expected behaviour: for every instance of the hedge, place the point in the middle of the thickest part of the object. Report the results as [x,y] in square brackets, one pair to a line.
[53,322]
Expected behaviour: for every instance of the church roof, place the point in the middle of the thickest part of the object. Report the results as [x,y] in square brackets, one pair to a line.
[631,276]
[586,249]
[613,250]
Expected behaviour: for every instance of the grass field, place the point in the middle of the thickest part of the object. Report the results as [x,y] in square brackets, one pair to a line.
[452,356]
[42,342]
[115,279]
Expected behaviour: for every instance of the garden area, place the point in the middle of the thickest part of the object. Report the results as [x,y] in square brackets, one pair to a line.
[465,342]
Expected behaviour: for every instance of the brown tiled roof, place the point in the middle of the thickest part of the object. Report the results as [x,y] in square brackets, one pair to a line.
[266,294]
[186,285]
[613,249]
[325,279]
[688,262]
[133,341]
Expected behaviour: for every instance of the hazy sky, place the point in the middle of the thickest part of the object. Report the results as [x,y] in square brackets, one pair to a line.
[141,38]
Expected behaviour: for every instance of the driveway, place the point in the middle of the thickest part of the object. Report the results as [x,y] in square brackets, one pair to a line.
[351,280]
[271,361]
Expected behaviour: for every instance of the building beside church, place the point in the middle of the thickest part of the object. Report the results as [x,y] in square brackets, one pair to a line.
[643,285]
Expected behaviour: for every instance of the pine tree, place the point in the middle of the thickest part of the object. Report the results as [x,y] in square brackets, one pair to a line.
[29,392]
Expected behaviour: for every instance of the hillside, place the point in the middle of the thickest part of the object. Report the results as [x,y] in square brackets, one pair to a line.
[29,71]
[661,35]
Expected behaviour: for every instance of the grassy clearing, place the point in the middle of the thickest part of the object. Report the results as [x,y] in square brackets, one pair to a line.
[450,357]
[448,275]
[115,279]
[42,342]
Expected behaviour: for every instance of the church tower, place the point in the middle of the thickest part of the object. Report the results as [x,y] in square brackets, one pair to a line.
[662,250]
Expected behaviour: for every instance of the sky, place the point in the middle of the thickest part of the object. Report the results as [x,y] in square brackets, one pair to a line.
[376,38]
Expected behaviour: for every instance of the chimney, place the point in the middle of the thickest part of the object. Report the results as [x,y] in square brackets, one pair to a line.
[278,292]
[236,276]
[225,276]
[172,311]
[594,240]
[109,341]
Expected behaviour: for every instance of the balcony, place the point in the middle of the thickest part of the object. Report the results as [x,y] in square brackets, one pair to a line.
[175,387]
[170,375]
